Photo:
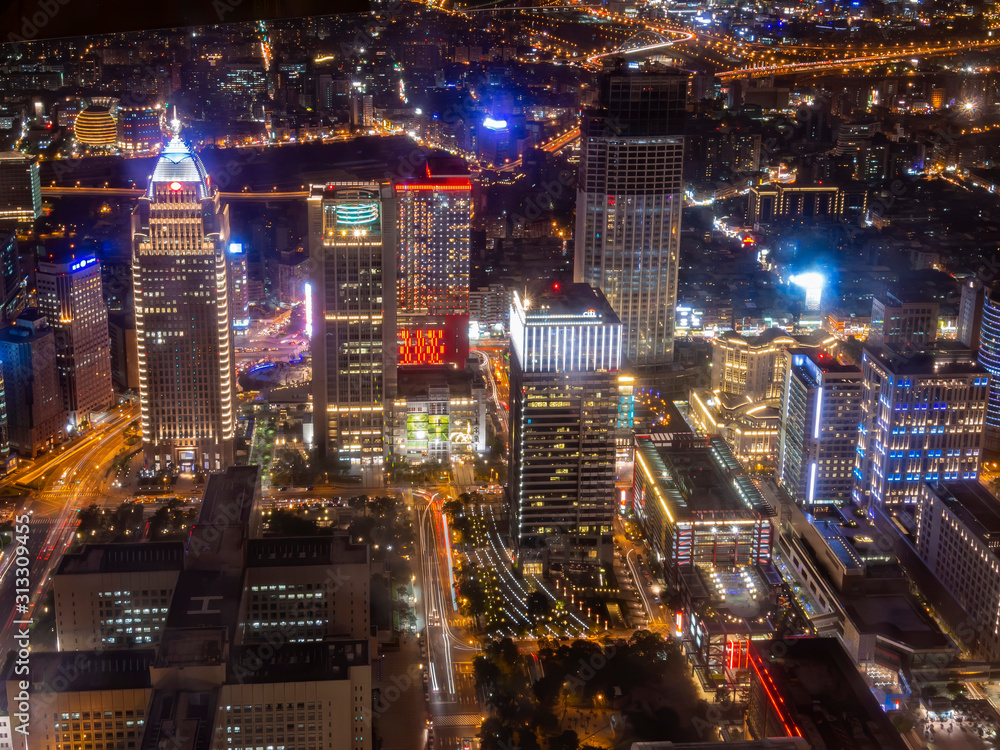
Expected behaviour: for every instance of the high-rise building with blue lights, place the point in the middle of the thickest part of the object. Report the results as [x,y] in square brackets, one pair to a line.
[820,412]
[71,298]
[628,205]
[180,234]
[565,361]
[922,419]
[989,357]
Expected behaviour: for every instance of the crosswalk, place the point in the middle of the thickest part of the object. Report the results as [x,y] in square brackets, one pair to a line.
[458,720]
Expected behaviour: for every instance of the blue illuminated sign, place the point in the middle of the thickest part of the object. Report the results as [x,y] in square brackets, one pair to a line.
[83,263]
[492,124]
[236,248]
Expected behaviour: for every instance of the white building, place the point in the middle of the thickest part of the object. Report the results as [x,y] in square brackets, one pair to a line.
[820,412]
[958,537]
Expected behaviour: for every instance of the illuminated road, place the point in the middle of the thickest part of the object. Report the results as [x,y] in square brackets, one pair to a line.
[136,192]
[454,708]
[815,66]
[71,479]
[550,146]
[492,365]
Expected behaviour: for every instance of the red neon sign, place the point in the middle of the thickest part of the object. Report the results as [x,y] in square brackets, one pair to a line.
[421,186]
[422,346]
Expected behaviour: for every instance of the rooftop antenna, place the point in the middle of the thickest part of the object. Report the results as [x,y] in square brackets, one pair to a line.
[175,125]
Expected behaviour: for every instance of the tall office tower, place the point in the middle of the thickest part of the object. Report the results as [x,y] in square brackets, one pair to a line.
[628,205]
[566,351]
[434,219]
[239,289]
[6,464]
[989,358]
[20,188]
[35,416]
[70,296]
[12,279]
[435,214]
[970,312]
[352,243]
[903,319]
[922,419]
[180,237]
[820,412]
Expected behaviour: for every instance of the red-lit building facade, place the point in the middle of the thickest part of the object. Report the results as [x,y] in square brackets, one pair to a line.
[435,215]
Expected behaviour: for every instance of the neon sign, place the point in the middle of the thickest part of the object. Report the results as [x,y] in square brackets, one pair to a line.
[355,214]
[83,263]
[422,346]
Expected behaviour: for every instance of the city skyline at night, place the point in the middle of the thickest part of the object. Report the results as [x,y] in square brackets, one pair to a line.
[498,376]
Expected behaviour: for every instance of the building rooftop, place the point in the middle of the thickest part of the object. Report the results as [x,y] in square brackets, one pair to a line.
[59,671]
[897,618]
[939,358]
[229,497]
[123,558]
[308,550]
[813,363]
[298,662]
[205,599]
[825,697]
[180,720]
[699,478]
[579,300]
[413,382]
[178,163]
[974,505]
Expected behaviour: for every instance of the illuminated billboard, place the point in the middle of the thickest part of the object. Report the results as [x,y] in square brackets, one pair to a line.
[422,428]
[432,340]
[421,346]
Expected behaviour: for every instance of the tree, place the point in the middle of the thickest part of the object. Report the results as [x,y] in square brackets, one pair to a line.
[568,740]
[547,690]
[286,523]
[473,596]
[91,518]
[538,605]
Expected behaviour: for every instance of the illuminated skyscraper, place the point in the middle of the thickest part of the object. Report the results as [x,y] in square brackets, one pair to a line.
[352,244]
[989,358]
[820,412]
[71,298]
[435,213]
[434,219]
[628,205]
[183,327]
[239,289]
[20,187]
[566,352]
[922,419]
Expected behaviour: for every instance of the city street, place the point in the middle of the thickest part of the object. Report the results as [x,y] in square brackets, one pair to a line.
[448,650]
[71,479]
